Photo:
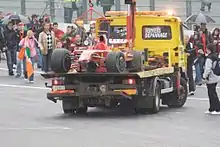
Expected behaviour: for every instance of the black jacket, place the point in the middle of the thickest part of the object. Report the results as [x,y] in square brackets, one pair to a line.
[11,38]
[37,29]
[2,36]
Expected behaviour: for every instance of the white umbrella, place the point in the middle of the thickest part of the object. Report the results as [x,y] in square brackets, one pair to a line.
[199,18]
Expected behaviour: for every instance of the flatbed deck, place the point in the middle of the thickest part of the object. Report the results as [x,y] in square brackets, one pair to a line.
[143,74]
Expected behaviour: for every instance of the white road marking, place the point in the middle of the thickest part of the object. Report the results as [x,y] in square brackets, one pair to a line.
[197,99]
[39,128]
[44,88]
[37,72]
[24,87]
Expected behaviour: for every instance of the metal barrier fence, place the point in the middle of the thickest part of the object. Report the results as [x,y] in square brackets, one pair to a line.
[43,6]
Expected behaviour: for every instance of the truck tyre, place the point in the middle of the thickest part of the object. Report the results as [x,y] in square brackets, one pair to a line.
[68,107]
[178,100]
[115,62]
[82,110]
[155,105]
[156,100]
[60,61]
[137,64]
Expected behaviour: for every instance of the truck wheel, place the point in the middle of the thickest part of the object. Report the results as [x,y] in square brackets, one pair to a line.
[60,60]
[156,100]
[68,107]
[155,105]
[81,110]
[115,62]
[178,100]
[137,64]
[141,110]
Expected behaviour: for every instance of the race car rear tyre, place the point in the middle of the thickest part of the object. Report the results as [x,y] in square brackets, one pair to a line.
[115,62]
[137,64]
[60,60]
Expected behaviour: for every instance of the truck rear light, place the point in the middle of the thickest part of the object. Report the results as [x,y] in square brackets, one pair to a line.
[129,81]
[58,81]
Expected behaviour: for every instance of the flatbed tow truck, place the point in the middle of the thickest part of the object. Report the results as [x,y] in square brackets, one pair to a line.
[144,89]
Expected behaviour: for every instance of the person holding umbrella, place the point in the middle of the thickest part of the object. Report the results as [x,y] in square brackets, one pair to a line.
[11,39]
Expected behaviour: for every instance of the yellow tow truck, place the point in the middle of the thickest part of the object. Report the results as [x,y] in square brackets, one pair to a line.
[156,43]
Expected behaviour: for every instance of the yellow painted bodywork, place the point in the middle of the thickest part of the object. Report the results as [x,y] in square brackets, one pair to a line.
[174,47]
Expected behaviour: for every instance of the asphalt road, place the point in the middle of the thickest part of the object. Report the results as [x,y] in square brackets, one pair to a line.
[28,119]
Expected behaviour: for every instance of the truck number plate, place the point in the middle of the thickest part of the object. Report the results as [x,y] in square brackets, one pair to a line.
[57,88]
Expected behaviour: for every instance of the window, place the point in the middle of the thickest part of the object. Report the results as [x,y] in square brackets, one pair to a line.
[156,32]
[104,25]
[118,32]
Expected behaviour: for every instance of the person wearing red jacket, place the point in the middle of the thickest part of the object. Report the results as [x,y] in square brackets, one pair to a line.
[58,33]
[216,38]
[101,45]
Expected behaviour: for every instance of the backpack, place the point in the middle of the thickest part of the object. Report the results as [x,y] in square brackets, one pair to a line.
[216,67]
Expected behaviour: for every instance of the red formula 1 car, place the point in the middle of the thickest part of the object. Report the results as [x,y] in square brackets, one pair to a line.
[94,60]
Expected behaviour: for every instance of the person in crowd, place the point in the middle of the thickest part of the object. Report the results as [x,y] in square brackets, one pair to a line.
[80,30]
[101,45]
[29,42]
[58,33]
[78,41]
[69,37]
[37,28]
[47,43]
[199,56]
[22,34]
[1,16]
[11,38]
[191,52]
[69,33]
[216,38]
[211,79]
[204,37]
[2,36]
[15,27]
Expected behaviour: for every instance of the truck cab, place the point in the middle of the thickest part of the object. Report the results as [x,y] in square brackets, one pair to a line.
[158,33]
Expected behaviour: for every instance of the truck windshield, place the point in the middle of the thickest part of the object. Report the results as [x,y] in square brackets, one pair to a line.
[156,32]
[118,32]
